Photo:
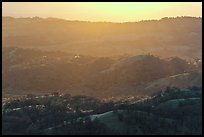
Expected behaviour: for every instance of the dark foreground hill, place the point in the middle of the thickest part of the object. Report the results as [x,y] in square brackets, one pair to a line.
[169,112]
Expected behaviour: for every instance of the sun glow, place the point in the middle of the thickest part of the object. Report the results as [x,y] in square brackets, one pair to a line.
[103,11]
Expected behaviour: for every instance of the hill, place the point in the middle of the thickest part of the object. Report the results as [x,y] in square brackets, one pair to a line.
[35,71]
[181,36]
[173,111]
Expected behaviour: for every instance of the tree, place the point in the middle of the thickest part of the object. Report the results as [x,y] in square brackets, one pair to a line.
[33,130]
[120,117]
[30,96]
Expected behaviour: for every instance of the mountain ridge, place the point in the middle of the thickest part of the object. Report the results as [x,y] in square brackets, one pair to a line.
[166,37]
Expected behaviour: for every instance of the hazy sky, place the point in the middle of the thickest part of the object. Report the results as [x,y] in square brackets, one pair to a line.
[102,11]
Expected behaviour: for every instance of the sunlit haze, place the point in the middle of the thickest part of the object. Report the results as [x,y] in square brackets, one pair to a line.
[102,11]
[102,68]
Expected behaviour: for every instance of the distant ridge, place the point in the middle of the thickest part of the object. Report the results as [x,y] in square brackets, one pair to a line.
[169,36]
[61,19]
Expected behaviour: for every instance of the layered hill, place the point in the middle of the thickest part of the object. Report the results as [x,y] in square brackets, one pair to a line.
[181,36]
[35,71]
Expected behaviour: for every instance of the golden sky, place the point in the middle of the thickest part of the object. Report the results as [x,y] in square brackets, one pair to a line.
[102,11]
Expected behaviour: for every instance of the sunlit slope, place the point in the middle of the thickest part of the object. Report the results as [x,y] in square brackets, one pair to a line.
[183,80]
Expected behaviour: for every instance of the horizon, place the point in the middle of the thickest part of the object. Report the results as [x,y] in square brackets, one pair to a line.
[32,17]
[115,12]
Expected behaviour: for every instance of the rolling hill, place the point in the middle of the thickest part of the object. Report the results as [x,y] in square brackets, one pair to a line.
[167,37]
[36,71]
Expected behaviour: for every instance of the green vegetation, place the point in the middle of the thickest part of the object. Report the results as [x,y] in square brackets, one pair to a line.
[173,111]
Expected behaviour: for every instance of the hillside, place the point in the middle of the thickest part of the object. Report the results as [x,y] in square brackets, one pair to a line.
[167,37]
[173,111]
[36,71]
